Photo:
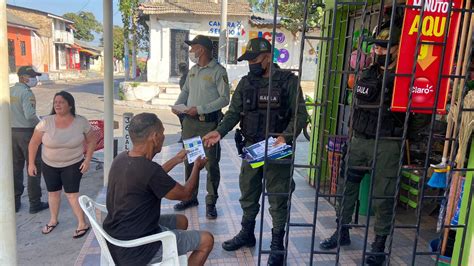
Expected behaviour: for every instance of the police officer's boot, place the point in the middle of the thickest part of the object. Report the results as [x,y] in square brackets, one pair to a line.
[245,237]
[277,258]
[331,242]
[377,246]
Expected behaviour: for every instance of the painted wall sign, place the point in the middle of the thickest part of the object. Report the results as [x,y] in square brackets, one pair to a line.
[428,62]
[281,55]
[234,28]
[280,36]
[127,117]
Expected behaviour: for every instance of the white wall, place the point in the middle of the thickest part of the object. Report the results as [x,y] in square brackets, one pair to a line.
[159,62]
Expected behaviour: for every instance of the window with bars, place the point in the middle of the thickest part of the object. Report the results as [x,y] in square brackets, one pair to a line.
[11,56]
[232,49]
[23,48]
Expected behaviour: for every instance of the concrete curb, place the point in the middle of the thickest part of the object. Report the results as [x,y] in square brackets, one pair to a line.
[140,104]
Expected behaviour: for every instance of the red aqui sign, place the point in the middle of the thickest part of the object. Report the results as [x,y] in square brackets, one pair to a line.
[432,28]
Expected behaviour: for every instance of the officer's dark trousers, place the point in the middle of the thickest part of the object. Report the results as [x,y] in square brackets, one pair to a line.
[361,154]
[277,181]
[193,128]
[20,140]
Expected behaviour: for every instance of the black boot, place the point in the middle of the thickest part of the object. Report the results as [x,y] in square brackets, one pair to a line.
[277,245]
[245,238]
[331,242]
[377,246]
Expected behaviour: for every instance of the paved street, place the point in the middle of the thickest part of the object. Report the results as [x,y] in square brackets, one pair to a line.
[90,103]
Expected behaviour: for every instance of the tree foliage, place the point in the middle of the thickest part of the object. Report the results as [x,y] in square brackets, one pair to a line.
[137,23]
[117,32]
[118,42]
[85,24]
[292,12]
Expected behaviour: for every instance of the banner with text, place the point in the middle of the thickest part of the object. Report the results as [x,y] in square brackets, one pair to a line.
[430,68]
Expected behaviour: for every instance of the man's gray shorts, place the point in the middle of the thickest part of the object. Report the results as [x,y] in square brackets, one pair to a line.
[186,240]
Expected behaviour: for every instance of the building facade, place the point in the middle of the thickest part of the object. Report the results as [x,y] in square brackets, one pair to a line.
[52,41]
[171,24]
[19,34]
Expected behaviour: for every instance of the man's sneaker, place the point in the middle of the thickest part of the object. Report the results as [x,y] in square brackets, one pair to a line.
[211,212]
[183,205]
[331,242]
[41,206]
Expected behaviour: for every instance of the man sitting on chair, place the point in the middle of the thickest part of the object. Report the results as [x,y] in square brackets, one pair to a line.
[136,187]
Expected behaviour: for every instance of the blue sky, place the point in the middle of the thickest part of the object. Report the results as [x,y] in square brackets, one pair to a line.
[59,7]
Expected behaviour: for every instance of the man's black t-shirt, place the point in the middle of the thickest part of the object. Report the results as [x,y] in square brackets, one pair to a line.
[136,187]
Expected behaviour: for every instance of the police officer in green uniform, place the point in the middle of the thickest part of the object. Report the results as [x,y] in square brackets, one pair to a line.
[249,106]
[205,92]
[23,122]
[367,94]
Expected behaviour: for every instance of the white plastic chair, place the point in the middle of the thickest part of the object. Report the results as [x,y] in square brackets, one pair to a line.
[168,239]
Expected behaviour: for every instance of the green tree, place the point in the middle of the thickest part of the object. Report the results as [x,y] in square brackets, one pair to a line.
[118,42]
[261,5]
[292,12]
[119,50]
[85,24]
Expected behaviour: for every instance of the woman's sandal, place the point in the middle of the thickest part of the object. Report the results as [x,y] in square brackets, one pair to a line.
[81,232]
[49,228]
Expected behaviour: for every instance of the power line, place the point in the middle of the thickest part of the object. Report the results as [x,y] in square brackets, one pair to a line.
[80,10]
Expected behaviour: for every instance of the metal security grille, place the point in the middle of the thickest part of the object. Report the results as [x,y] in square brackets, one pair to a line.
[347,27]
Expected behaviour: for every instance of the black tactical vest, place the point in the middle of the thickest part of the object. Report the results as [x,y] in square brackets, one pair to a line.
[254,116]
[367,93]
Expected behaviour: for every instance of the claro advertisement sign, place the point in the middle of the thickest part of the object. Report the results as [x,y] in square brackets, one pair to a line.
[430,66]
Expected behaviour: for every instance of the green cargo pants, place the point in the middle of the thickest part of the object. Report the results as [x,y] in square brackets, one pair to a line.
[277,181]
[361,154]
[193,128]
[20,141]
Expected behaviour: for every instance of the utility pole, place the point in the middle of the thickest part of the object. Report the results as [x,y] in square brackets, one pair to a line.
[223,34]
[108,89]
[7,203]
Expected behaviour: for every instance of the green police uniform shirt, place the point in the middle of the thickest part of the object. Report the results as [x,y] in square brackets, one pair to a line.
[232,116]
[22,107]
[206,87]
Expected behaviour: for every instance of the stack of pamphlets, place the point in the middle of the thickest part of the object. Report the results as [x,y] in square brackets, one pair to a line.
[255,153]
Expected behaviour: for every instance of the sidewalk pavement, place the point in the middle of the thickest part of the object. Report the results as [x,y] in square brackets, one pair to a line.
[58,247]
[228,222]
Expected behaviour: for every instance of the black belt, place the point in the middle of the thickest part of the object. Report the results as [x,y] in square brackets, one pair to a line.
[23,129]
[210,117]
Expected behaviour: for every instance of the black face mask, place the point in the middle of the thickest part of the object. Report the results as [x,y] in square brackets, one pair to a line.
[380,59]
[256,69]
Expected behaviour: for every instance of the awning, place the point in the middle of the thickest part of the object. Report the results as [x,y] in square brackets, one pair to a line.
[90,52]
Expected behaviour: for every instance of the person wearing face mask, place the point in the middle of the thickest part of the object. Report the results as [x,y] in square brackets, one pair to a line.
[368,93]
[249,107]
[205,92]
[23,121]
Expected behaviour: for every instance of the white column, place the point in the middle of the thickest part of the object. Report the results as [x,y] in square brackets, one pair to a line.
[7,200]
[223,34]
[108,90]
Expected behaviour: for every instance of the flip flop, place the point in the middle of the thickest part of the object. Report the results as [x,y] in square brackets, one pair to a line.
[49,228]
[80,233]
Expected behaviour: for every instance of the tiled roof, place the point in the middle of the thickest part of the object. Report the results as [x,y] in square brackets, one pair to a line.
[263,21]
[16,21]
[197,7]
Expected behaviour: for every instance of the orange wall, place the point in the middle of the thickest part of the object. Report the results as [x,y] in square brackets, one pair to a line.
[18,35]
